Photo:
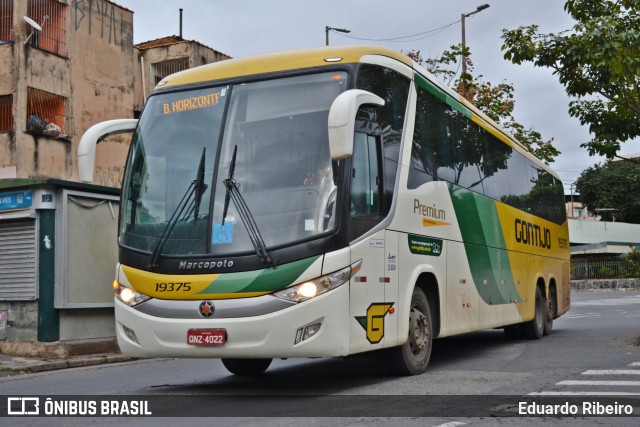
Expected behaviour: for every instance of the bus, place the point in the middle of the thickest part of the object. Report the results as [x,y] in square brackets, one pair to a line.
[323,203]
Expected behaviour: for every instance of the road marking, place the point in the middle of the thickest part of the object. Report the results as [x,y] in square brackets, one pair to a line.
[612,372]
[582,393]
[608,302]
[580,315]
[618,383]
[452,424]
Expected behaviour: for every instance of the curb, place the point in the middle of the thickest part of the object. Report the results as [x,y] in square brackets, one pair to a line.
[29,365]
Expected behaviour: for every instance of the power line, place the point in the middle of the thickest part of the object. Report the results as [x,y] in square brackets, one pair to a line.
[429,33]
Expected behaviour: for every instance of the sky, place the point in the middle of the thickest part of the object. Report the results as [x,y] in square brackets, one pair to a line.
[242,28]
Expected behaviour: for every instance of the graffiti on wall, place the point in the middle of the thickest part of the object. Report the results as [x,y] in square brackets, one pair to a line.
[110,28]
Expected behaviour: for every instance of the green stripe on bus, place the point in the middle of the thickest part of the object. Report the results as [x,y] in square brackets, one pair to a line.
[267,280]
[484,245]
[442,95]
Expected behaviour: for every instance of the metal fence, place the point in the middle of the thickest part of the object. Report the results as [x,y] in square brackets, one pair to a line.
[599,268]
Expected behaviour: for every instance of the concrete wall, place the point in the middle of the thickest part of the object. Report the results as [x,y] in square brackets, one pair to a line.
[95,77]
[102,57]
[586,232]
[87,324]
[197,53]
[22,321]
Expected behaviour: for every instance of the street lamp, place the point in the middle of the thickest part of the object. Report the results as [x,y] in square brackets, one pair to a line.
[327,29]
[464,45]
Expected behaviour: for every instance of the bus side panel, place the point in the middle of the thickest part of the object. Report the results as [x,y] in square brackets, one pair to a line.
[510,302]
[462,295]
[368,308]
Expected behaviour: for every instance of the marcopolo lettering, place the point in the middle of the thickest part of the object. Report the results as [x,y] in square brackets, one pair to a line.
[532,234]
[186,265]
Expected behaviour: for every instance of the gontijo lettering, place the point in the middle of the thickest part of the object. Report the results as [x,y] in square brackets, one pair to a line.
[192,103]
[532,234]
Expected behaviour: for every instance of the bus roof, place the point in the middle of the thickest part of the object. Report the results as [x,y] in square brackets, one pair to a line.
[279,61]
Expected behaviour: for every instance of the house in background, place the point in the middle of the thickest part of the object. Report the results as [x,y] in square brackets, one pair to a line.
[66,65]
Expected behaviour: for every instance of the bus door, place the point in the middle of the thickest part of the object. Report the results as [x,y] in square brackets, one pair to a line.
[368,304]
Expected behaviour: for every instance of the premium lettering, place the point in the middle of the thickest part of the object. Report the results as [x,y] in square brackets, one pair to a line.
[428,211]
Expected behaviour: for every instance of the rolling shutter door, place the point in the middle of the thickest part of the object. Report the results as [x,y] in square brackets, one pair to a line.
[18,261]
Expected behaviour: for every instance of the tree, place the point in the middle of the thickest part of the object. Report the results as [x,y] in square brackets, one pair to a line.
[612,185]
[496,101]
[597,61]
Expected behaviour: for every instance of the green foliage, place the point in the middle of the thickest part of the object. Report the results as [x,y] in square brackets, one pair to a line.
[631,263]
[496,101]
[597,61]
[612,185]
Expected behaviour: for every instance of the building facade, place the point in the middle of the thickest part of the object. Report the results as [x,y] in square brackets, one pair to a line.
[68,65]
[64,66]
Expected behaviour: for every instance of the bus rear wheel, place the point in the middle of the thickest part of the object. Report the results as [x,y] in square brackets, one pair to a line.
[246,366]
[534,329]
[412,357]
[552,307]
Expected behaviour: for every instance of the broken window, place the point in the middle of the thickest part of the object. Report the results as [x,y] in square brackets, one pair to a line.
[50,34]
[160,70]
[6,21]
[47,114]
[6,118]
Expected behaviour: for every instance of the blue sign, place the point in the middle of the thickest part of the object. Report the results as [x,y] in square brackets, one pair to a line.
[222,233]
[16,200]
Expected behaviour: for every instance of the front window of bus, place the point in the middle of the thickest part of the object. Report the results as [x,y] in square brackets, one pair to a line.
[283,171]
[283,168]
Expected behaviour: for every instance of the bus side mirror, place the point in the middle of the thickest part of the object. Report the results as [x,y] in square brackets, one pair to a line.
[93,135]
[342,118]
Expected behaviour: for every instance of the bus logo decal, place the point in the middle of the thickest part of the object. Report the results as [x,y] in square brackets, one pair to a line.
[206,309]
[373,322]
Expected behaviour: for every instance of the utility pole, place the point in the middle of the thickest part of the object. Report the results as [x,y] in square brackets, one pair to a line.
[464,42]
[327,29]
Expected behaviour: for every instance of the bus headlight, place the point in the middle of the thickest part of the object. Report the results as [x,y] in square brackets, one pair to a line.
[128,295]
[312,288]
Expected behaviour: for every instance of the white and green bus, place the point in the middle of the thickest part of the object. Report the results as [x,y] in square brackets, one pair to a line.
[323,203]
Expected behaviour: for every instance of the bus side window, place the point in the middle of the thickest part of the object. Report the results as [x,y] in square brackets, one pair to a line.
[366,206]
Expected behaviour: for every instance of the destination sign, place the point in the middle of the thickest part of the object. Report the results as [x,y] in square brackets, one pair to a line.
[191,103]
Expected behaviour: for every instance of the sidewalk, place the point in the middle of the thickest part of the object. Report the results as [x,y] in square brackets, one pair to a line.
[12,365]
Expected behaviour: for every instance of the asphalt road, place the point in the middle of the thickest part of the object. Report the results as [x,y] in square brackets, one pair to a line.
[592,356]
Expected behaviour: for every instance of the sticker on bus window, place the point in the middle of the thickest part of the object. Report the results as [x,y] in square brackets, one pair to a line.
[222,234]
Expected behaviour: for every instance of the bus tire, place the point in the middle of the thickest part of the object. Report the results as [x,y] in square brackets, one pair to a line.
[552,307]
[513,332]
[246,366]
[534,329]
[412,357]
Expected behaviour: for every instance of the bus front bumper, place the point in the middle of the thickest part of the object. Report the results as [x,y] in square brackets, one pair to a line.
[272,335]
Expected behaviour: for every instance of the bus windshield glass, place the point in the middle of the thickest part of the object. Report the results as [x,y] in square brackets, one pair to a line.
[283,170]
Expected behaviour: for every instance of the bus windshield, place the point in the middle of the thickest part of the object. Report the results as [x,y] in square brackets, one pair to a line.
[283,170]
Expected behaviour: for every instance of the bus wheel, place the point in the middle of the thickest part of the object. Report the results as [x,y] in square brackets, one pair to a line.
[534,329]
[551,312]
[412,357]
[513,332]
[246,366]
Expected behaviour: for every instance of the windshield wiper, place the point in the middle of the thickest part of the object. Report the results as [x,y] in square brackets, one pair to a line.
[191,199]
[233,193]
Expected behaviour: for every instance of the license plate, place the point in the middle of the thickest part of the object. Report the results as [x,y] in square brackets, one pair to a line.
[206,337]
